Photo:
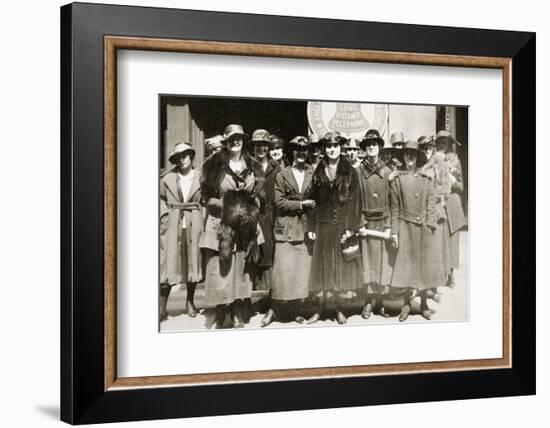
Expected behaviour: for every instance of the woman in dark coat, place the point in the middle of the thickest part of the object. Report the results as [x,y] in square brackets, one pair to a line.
[413,223]
[377,254]
[335,219]
[180,228]
[231,193]
[292,264]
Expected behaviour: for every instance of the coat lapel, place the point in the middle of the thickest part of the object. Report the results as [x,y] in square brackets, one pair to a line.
[307,178]
[172,183]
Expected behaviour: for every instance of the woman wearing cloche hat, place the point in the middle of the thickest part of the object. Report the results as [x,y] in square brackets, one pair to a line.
[335,190]
[231,234]
[180,228]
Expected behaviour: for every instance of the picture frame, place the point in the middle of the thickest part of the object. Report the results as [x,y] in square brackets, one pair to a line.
[91,392]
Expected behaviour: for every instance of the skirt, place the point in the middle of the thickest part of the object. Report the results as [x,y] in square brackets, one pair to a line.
[237,284]
[441,238]
[291,271]
[329,270]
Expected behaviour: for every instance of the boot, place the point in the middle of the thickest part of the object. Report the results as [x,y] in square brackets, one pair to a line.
[190,305]
[424,309]
[219,319]
[268,318]
[237,314]
[451,279]
[340,317]
[163,302]
[367,311]
[296,311]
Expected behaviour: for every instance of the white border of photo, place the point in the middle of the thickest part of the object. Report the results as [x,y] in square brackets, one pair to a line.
[143,351]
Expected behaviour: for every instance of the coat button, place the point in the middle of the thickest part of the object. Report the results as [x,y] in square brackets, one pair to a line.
[417,218]
[416,195]
[375,195]
[416,175]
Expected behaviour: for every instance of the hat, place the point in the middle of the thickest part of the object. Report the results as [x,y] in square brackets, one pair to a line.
[412,147]
[233,130]
[260,136]
[446,135]
[299,142]
[332,137]
[313,139]
[372,136]
[397,138]
[214,142]
[351,143]
[276,142]
[180,149]
[423,141]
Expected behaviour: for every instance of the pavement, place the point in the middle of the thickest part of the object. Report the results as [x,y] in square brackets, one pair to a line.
[454,306]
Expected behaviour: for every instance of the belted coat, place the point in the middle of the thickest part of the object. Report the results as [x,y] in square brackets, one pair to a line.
[174,268]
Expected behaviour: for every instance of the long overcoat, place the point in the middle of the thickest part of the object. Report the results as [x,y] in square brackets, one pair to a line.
[456,219]
[377,254]
[417,263]
[336,212]
[180,262]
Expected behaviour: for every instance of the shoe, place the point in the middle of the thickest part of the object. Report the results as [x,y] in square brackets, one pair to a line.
[219,319]
[341,318]
[405,311]
[299,319]
[383,313]
[425,312]
[314,318]
[436,298]
[367,311]
[191,310]
[451,281]
[268,318]
[163,313]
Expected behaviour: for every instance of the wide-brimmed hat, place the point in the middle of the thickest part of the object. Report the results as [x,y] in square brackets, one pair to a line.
[214,142]
[412,147]
[397,138]
[179,150]
[261,136]
[276,142]
[232,131]
[313,139]
[446,135]
[372,136]
[333,137]
[299,142]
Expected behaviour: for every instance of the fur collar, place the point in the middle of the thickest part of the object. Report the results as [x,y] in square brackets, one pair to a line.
[340,188]
[216,166]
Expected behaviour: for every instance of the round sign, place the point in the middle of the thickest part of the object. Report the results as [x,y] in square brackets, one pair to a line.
[349,119]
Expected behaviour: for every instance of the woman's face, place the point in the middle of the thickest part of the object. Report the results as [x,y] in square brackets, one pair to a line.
[352,153]
[184,161]
[333,151]
[260,150]
[300,155]
[429,152]
[410,160]
[235,144]
[372,149]
[276,154]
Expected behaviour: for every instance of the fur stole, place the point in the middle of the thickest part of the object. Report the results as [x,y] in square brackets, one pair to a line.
[240,207]
[340,189]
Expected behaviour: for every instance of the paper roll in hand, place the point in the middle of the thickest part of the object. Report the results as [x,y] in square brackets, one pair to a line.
[364,232]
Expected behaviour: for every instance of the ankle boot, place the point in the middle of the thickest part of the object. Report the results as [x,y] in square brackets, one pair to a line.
[237,314]
[219,319]
[190,305]
[163,302]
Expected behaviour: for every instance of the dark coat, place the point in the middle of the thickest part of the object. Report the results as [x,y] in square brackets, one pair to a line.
[290,218]
[337,211]
[266,213]
[417,264]
[172,208]
[338,201]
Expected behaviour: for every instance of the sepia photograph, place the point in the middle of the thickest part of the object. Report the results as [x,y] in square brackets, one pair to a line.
[278,213]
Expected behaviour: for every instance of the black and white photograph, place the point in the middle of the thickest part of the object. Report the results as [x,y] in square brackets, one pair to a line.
[288,213]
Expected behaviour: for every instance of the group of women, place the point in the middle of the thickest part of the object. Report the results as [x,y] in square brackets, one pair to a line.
[311,224]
